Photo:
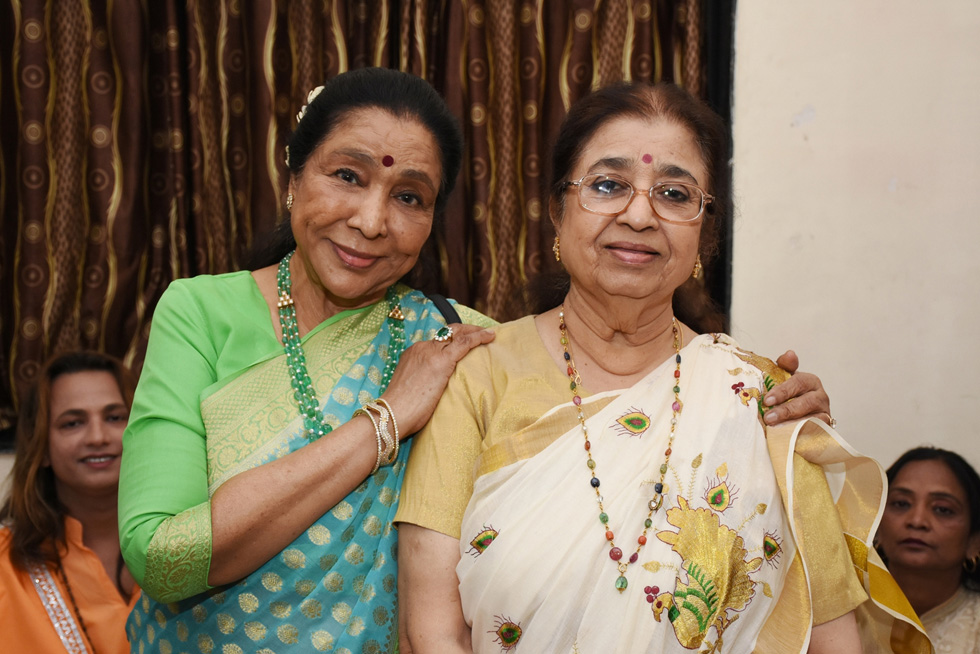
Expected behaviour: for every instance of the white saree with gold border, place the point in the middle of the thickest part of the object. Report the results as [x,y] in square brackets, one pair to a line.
[746,553]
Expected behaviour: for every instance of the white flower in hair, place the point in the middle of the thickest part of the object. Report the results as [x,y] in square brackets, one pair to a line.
[311,96]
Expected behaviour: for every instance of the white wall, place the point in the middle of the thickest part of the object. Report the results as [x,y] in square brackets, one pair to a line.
[857,181]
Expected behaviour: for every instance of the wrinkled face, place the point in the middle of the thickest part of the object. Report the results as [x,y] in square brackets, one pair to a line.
[88,417]
[926,523]
[635,254]
[364,203]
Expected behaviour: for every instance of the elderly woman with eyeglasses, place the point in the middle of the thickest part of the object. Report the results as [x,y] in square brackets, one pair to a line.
[601,478]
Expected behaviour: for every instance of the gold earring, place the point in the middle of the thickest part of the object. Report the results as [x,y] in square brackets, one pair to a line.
[556,248]
[697,268]
[970,565]
[289,202]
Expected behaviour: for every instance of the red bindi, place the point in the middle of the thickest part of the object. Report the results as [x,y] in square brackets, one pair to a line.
[647,158]
[388,161]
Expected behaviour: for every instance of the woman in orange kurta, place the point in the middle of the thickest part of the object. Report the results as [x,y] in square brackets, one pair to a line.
[63,584]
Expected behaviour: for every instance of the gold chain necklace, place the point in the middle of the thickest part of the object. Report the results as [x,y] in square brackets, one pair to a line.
[615,553]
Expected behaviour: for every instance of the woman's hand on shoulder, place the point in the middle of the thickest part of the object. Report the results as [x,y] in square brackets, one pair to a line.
[809,399]
[423,372]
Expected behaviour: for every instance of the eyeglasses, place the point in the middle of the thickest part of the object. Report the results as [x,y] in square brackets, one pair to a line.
[609,195]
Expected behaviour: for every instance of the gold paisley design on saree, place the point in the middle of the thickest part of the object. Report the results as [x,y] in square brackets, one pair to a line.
[715,584]
[183,633]
[343,396]
[205,644]
[304,587]
[199,613]
[280,609]
[160,618]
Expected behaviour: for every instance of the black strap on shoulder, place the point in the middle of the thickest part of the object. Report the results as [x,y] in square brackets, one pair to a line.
[446,309]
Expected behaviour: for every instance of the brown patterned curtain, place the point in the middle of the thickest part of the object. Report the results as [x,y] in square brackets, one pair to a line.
[143,141]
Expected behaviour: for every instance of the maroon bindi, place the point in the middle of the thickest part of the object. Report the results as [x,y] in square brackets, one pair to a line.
[647,158]
[388,161]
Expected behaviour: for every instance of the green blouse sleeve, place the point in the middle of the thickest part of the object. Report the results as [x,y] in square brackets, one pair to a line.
[164,511]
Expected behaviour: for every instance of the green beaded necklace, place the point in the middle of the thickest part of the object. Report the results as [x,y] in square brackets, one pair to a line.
[309,406]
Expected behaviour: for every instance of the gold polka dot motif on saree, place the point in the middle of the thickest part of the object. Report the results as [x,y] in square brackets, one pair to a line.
[151,633]
[318,535]
[356,626]
[226,623]
[231,648]
[280,609]
[334,582]
[354,554]
[343,511]
[199,613]
[364,397]
[304,587]
[380,616]
[389,583]
[183,633]
[341,612]
[372,526]
[205,644]
[271,581]
[374,375]
[328,561]
[379,560]
[256,631]
[248,602]
[387,496]
[343,396]
[322,641]
[165,647]
[357,371]
[311,608]
[160,618]
[294,559]
[288,634]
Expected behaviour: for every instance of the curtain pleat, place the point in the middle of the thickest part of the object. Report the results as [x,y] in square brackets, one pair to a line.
[144,141]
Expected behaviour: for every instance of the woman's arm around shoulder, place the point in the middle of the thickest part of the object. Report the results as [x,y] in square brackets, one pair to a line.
[430,611]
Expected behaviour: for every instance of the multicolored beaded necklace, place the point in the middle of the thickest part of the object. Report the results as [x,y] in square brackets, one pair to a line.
[615,553]
[309,406]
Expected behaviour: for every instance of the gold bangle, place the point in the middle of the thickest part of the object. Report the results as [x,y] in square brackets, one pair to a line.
[394,423]
[377,433]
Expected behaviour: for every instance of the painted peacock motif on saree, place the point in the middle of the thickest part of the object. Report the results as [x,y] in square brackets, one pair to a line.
[714,560]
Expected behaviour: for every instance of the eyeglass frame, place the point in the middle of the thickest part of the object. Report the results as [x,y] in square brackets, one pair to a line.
[706,198]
